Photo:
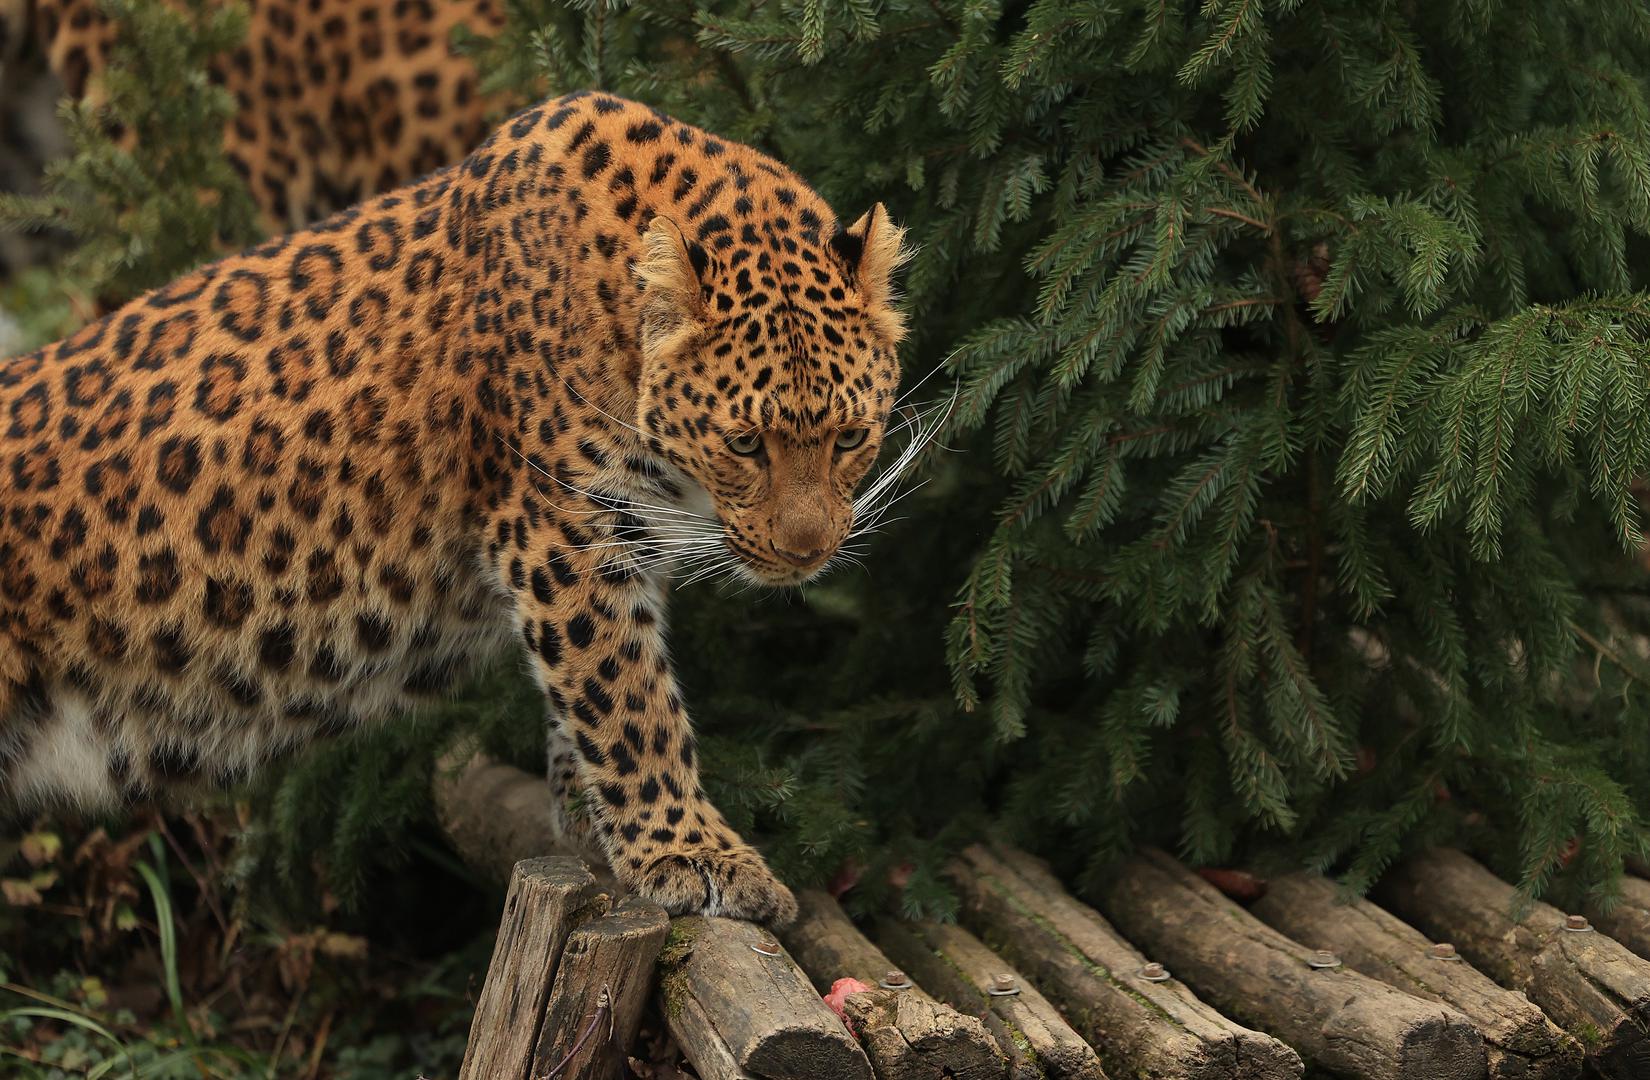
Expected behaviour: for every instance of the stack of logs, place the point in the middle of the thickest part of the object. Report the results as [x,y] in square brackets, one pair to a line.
[1444,977]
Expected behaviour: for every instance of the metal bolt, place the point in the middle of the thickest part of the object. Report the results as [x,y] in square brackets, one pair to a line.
[895,980]
[1323,958]
[1577,924]
[1443,951]
[1154,972]
[1003,984]
[766,946]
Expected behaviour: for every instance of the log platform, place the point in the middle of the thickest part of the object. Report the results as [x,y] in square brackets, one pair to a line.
[1590,984]
[1520,1042]
[1346,1022]
[1138,1025]
[1093,1000]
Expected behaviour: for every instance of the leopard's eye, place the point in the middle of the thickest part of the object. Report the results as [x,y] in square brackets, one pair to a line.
[746,445]
[849,438]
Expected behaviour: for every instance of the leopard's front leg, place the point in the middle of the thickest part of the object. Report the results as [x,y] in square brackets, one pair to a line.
[594,627]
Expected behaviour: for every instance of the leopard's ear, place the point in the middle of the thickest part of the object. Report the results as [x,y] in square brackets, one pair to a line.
[672,274]
[874,248]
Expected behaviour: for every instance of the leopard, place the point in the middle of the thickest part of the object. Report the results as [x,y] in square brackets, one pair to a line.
[498,411]
[335,100]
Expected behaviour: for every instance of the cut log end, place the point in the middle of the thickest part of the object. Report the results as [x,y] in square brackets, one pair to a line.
[1247,1055]
[911,1037]
[1445,1047]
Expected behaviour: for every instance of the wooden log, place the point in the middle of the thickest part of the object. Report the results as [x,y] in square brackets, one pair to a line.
[1629,921]
[1139,1027]
[602,983]
[737,1013]
[906,1033]
[957,968]
[1520,1043]
[548,898]
[1346,1022]
[699,1041]
[1592,985]
[496,815]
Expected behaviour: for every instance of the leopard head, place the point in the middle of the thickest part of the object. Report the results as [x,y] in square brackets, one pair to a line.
[769,375]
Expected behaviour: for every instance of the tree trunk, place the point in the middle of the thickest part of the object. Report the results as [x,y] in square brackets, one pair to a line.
[1139,1028]
[1591,984]
[1335,1017]
[1520,1042]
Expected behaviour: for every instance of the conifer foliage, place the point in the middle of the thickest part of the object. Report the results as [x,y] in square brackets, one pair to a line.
[1300,363]
[1306,342]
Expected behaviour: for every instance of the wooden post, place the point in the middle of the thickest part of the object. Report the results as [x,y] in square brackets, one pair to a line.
[737,1012]
[547,899]
[602,983]
[906,1033]
[1591,984]
[1335,1017]
[1520,1042]
[1138,1026]
[957,968]
[1629,921]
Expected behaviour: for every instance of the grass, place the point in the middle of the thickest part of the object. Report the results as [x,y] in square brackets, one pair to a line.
[128,958]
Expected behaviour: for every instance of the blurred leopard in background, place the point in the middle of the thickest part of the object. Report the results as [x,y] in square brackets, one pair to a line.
[304,488]
[338,99]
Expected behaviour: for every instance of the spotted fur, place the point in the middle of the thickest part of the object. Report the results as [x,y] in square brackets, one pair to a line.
[304,488]
[338,99]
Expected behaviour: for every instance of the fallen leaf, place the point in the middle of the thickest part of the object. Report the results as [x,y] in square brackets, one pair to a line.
[41,847]
[1240,885]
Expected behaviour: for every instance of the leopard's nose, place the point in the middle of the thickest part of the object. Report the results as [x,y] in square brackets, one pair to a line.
[797,558]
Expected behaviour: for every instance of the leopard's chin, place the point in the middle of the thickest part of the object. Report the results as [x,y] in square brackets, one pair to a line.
[773,576]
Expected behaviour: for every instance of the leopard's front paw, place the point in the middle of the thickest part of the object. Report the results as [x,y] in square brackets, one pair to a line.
[735,883]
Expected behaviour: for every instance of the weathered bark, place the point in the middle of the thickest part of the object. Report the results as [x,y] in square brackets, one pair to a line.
[1589,983]
[958,969]
[548,898]
[1519,1041]
[737,1013]
[1629,921]
[1138,1027]
[906,1033]
[602,984]
[702,1044]
[1335,1017]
